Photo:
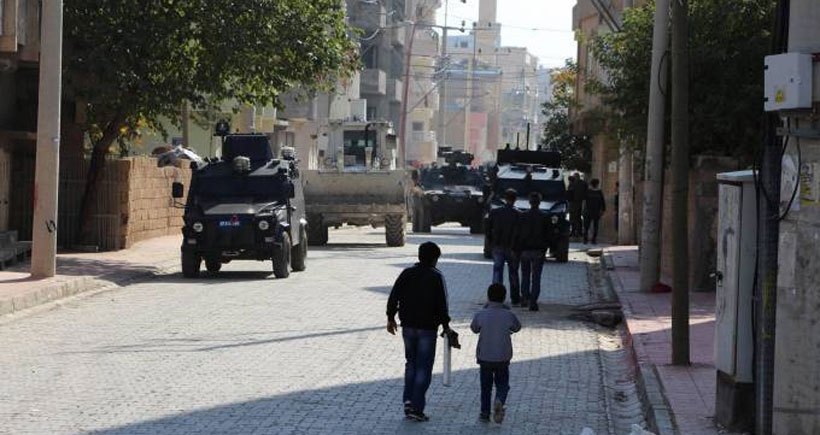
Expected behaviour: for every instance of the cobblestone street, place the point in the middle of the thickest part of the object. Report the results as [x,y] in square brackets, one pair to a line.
[245,353]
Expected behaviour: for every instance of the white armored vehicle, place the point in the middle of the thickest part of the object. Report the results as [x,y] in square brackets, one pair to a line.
[357,182]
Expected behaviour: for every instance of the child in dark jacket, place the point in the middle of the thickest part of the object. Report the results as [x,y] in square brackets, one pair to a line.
[495,324]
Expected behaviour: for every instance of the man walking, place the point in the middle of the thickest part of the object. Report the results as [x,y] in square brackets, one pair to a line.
[503,230]
[533,243]
[595,206]
[419,296]
[577,196]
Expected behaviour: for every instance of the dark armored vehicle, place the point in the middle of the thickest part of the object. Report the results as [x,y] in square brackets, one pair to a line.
[526,172]
[246,205]
[453,192]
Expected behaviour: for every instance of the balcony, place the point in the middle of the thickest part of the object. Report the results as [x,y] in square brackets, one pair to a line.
[374,82]
[399,36]
[396,91]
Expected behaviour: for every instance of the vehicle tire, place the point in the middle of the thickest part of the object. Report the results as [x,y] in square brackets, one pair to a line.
[394,230]
[317,231]
[281,258]
[300,251]
[562,250]
[191,262]
[214,265]
[427,221]
[488,252]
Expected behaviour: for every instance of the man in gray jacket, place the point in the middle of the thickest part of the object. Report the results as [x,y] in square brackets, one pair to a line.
[495,324]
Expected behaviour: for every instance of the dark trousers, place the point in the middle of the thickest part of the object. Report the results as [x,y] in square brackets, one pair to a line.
[532,264]
[508,256]
[591,221]
[497,373]
[419,353]
[576,219]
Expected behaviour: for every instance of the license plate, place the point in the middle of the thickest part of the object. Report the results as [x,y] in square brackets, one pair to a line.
[229,224]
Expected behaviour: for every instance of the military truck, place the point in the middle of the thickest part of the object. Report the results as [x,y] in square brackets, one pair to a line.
[357,182]
[246,205]
[526,172]
[452,192]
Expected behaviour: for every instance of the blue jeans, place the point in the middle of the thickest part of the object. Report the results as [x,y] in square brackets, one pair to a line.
[501,256]
[420,352]
[532,264]
[498,373]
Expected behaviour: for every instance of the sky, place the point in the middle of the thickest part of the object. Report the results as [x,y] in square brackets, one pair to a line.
[553,42]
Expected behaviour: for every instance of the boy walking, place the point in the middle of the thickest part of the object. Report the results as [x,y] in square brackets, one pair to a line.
[495,324]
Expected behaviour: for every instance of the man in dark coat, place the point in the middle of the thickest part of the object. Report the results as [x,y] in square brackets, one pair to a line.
[503,230]
[533,242]
[577,195]
[594,207]
[419,296]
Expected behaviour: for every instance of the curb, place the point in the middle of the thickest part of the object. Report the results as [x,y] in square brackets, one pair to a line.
[657,412]
[62,290]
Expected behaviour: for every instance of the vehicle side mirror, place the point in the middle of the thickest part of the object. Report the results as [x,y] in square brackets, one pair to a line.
[177,190]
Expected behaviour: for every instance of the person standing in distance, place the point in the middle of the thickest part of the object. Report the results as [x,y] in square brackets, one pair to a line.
[533,242]
[419,296]
[593,209]
[503,230]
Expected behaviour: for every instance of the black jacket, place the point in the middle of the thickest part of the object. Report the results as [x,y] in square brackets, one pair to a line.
[578,191]
[503,227]
[420,297]
[532,233]
[595,203]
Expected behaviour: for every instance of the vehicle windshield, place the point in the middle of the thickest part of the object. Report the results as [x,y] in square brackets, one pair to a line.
[355,145]
[550,190]
[451,176]
[237,188]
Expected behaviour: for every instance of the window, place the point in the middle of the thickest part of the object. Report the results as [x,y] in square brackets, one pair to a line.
[371,114]
[464,44]
[418,126]
[370,56]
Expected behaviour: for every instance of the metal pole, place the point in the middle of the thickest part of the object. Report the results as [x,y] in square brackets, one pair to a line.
[680,182]
[528,136]
[442,101]
[47,167]
[403,129]
[625,221]
[650,234]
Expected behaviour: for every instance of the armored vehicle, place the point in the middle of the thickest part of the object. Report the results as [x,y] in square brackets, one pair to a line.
[357,181]
[453,192]
[526,172]
[246,205]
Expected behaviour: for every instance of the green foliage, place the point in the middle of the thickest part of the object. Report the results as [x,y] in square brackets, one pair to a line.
[575,149]
[131,63]
[728,40]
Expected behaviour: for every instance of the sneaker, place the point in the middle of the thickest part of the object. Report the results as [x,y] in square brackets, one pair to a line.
[408,406]
[417,416]
[498,412]
[484,418]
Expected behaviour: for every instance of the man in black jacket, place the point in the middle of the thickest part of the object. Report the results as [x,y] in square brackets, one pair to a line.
[594,207]
[419,296]
[503,230]
[533,243]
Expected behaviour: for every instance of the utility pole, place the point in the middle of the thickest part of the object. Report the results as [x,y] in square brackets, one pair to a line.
[47,166]
[626,223]
[765,296]
[442,101]
[469,95]
[403,130]
[186,126]
[680,182]
[650,234]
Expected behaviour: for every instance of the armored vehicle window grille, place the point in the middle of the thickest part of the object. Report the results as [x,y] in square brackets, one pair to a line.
[550,190]
[240,188]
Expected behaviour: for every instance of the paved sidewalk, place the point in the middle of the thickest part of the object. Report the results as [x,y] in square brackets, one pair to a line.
[81,272]
[688,393]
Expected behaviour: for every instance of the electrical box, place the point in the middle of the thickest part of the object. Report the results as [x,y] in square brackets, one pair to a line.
[735,275]
[787,82]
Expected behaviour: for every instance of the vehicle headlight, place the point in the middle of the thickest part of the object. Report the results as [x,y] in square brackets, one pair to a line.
[198,227]
[554,220]
[434,198]
[264,225]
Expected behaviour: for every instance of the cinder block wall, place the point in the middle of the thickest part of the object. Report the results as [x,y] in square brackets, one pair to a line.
[146,207]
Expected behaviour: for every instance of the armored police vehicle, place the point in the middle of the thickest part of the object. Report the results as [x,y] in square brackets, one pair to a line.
[526,172]
[246,205]
[453,192]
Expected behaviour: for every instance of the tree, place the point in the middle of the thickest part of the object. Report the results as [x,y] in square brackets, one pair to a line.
[129,64]
[728,40]
[575,149]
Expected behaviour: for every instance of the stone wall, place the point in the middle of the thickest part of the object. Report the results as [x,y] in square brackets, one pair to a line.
[146,206]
